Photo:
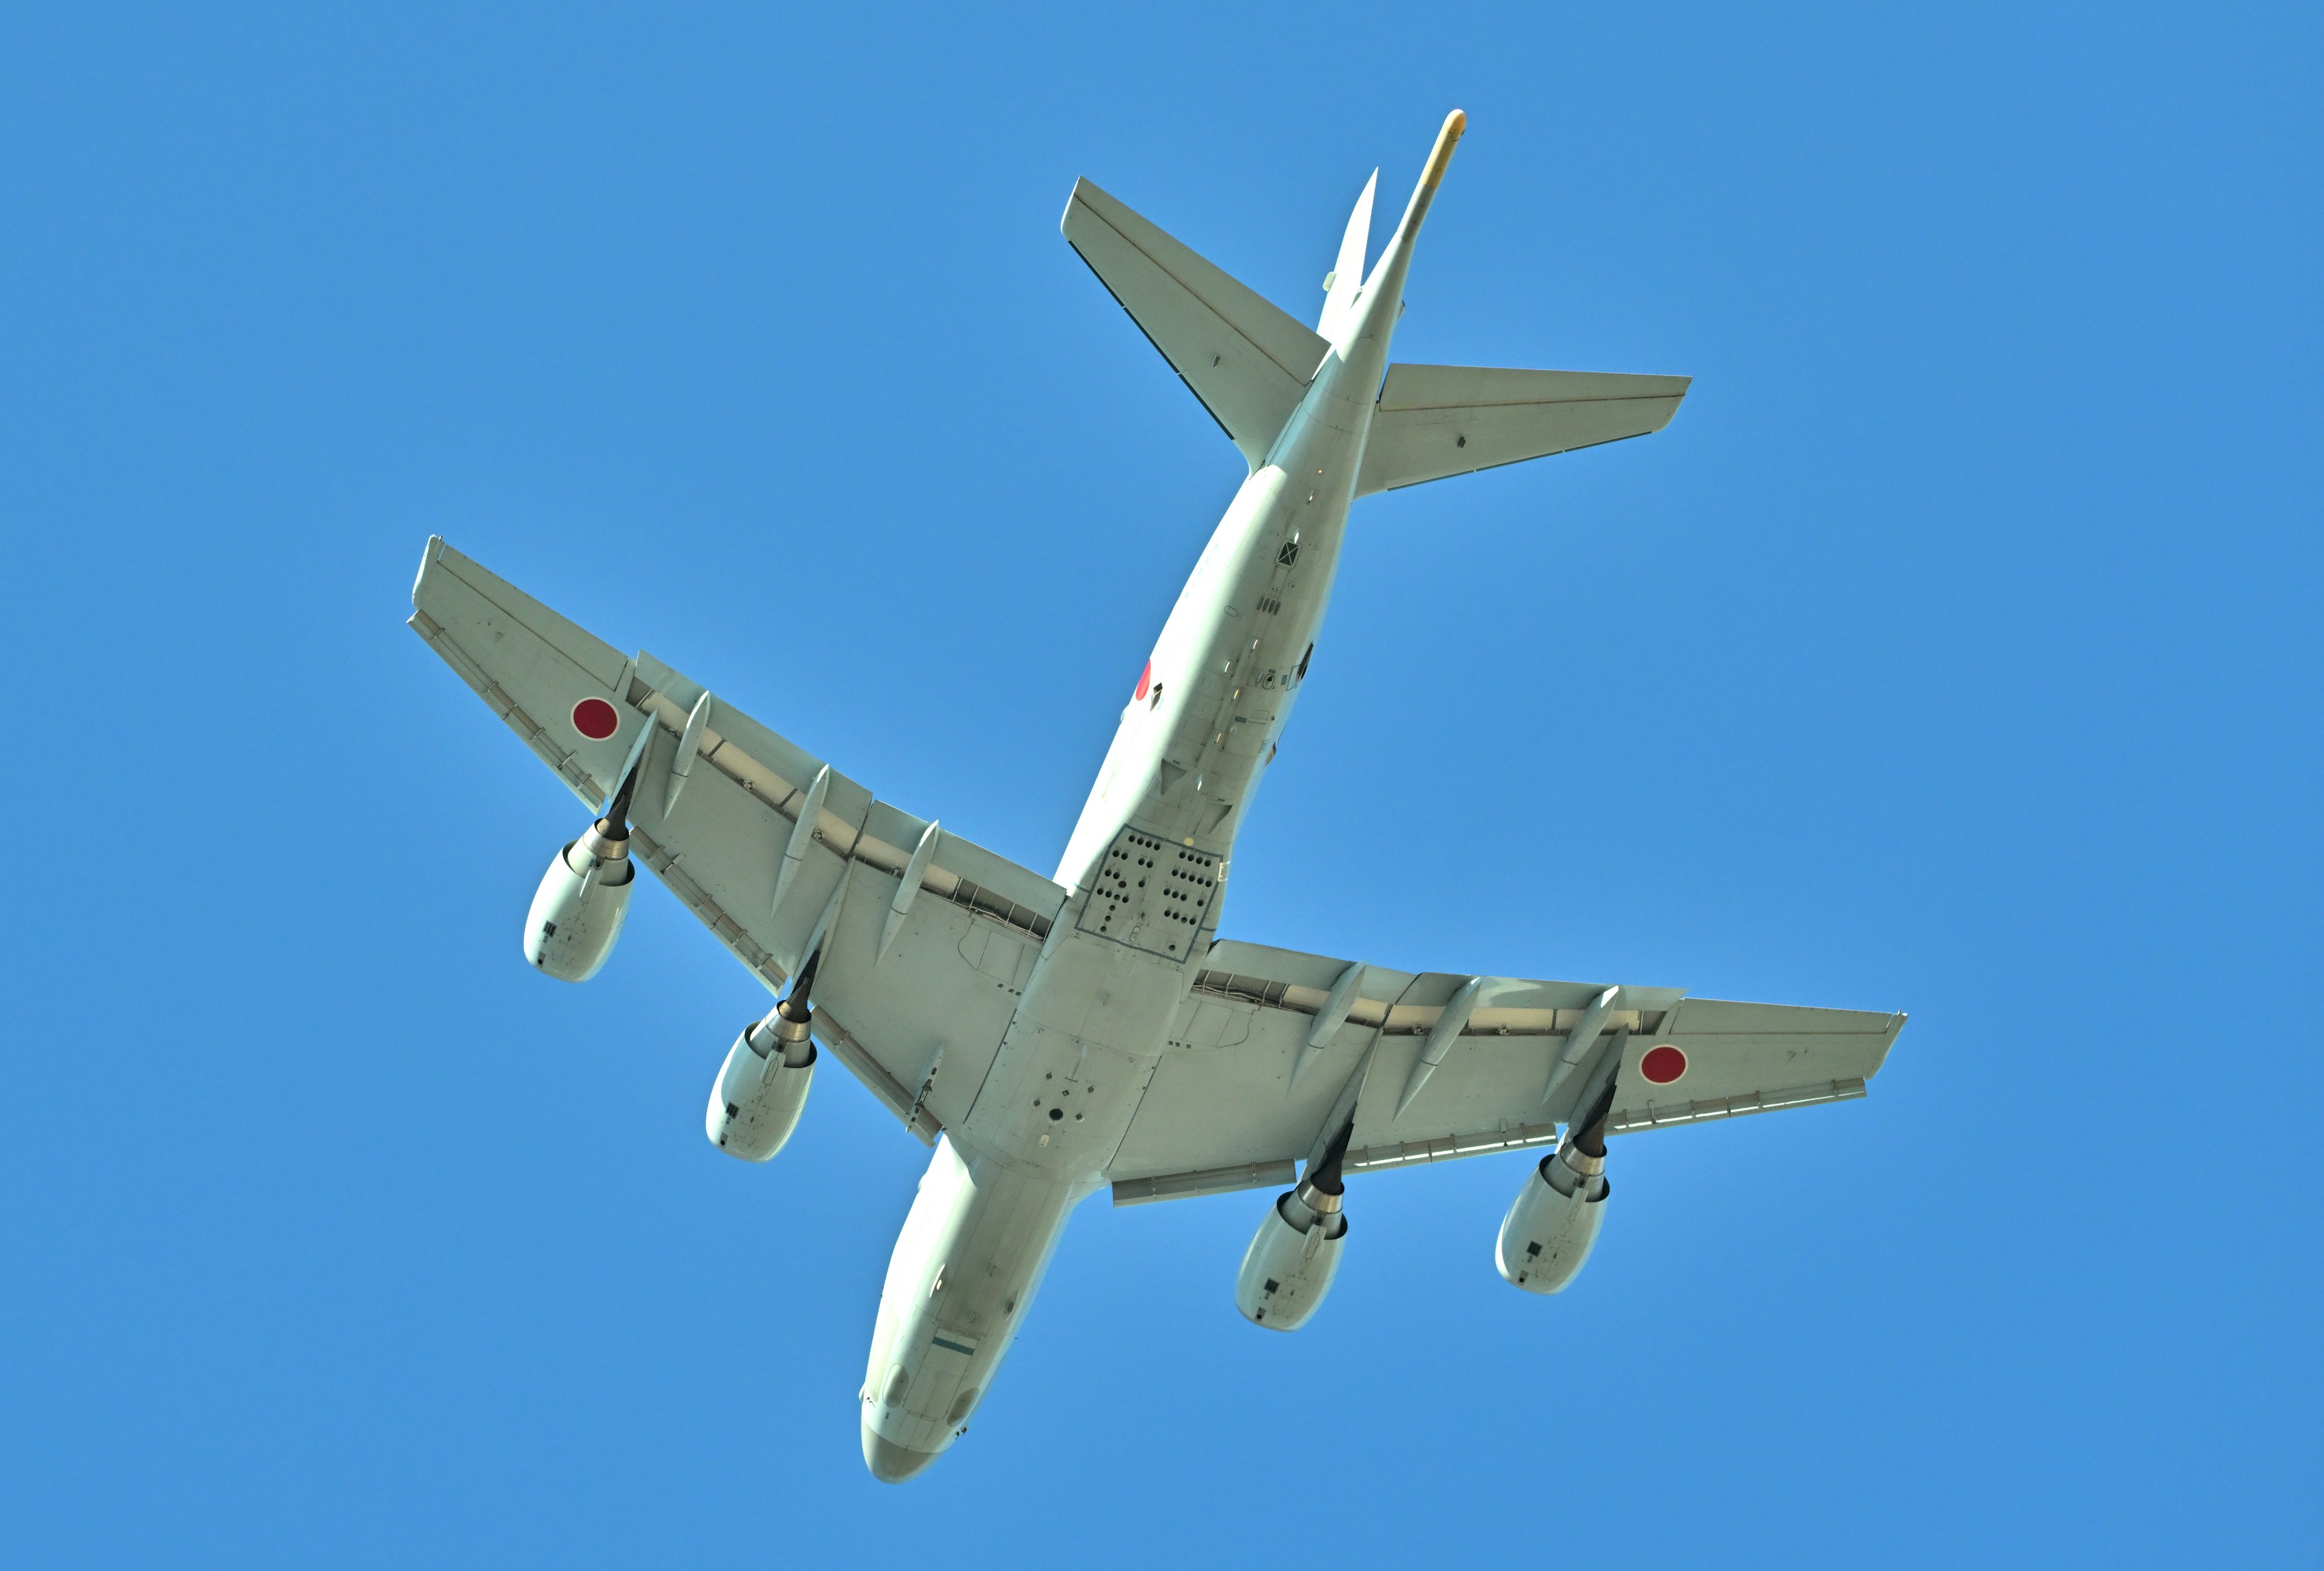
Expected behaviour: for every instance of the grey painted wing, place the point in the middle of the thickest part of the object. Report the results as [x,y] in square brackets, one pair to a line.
[1232,1106]
[970,927]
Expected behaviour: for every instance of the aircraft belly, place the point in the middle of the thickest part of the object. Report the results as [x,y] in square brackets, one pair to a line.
[1153,895]
[1084,1043]
[1044,1126]
[1235,647]
[1057,1104]
[962,1275]
[1147,865]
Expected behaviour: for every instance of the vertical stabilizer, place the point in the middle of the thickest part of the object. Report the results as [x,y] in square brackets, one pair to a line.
[1390,268]
[1347,274]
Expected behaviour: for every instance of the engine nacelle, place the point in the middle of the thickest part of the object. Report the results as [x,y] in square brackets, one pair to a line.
[583,900]
[1293,1256]
[763,1087]
[1549,1232]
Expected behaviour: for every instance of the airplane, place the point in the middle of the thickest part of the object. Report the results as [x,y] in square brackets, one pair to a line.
[1053,1037]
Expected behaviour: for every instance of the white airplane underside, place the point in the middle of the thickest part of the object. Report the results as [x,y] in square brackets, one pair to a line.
[1053,1037]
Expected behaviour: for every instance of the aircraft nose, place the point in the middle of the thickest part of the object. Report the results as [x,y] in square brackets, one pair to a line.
[888,1462]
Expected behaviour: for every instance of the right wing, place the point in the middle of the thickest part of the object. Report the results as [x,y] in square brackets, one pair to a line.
[1248,361]
[1439,421]
[914,1004]
[1267,1050]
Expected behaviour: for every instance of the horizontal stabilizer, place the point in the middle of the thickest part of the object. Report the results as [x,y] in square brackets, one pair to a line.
[1246,360]
[1440,421]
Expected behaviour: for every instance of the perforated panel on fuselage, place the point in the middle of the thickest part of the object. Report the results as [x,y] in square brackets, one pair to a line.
[1150,894]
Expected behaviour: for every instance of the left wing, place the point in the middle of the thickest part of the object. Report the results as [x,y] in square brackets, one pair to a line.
[1272,1042]
[928,952]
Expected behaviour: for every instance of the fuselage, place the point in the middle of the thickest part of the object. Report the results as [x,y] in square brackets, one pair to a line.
[1147,866]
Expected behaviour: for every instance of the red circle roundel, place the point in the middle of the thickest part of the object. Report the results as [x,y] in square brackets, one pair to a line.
[594,718]
[1663,1064]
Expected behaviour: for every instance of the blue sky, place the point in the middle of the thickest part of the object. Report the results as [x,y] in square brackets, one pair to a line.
[1954,650]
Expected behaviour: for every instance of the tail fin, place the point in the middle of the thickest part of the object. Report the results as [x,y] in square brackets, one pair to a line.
[1348,275]
[1389,271]
[1247,362]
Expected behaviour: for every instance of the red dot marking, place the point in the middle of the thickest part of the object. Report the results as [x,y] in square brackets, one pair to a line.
[1663,1064]
[1142,677]
[594,718]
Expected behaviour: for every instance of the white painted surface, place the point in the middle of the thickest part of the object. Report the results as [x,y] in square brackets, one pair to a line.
[1064,1033]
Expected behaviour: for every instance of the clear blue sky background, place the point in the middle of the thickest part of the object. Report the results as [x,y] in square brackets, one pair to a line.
[1955,651]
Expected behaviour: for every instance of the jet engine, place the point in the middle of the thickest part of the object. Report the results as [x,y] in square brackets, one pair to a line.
[583,901]
[1553,1224]
[1296,1252]
[763,1087]
[584,896]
